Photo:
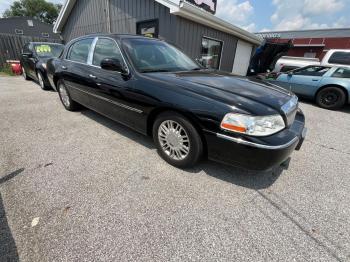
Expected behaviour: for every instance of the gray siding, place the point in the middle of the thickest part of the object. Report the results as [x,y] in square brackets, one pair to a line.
[89,16]
[189,37]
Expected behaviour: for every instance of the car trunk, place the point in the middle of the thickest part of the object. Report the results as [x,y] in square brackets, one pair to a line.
[266,56]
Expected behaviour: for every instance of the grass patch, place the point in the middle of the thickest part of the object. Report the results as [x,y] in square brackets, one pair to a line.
[5,70]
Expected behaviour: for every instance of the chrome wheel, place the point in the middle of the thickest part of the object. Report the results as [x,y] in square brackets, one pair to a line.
[64,95]
[174,140]
[41,81]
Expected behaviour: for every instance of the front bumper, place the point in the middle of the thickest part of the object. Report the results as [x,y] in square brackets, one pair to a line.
[257,153]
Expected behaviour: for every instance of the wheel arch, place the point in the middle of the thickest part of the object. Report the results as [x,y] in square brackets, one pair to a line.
[346,92]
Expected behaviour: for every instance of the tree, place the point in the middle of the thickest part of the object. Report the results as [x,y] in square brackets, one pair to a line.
[40,9]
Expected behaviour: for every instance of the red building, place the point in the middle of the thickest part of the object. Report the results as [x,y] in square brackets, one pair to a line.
[312,43]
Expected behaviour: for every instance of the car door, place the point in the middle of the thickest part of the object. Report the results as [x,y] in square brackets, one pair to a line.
[112,93]
[75,70]
[306,80]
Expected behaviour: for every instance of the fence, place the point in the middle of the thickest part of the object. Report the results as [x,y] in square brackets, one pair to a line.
[11,45]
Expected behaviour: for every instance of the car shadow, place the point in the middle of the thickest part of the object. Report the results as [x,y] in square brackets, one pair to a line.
[8,248]
[230,174]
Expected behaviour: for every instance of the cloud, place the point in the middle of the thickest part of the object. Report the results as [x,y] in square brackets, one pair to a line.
[322,6]
[236,12]
[308,14]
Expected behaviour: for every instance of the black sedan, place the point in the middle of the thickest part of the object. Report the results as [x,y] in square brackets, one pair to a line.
[33,61]
[154,88]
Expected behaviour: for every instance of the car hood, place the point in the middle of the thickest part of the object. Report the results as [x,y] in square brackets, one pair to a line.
[233,90]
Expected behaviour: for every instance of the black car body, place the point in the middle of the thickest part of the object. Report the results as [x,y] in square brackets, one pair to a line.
[34,58]
[128,90]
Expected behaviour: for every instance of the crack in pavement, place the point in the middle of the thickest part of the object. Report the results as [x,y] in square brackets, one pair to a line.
[323,241]
[328,147]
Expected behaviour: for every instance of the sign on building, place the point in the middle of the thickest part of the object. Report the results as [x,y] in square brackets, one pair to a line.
[207,5]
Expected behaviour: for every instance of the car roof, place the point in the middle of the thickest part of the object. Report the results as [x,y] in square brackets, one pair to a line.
[117,36]
[45,43]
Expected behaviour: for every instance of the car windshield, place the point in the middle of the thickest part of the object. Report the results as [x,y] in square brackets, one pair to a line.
[149,55]
[48,50]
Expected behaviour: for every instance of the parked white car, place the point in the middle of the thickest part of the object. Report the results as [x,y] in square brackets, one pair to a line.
[334,57]
[288,63]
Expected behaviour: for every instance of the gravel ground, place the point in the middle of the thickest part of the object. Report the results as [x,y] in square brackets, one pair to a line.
[79,187]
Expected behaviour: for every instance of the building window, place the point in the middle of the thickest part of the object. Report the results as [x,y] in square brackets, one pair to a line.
[211,53]
[310,55]
[30,23]
[46,35]
[148,28]
[19,31]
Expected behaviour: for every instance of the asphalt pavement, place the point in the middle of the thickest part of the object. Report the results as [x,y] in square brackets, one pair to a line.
[80,187]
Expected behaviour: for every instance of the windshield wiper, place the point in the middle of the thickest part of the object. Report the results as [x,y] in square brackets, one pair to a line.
[154,70]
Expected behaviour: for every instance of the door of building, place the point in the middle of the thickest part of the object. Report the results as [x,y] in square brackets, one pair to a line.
[242,58]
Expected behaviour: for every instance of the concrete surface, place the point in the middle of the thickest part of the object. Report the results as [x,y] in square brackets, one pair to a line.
[79,187]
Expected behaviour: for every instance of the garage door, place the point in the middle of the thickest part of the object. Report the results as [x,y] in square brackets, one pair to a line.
[242,58]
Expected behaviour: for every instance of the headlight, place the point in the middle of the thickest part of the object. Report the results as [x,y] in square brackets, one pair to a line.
[253,125]
[44,65]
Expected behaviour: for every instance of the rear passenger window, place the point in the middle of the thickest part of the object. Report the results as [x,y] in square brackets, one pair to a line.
[342,73]
[79,51]
[106,48]
[341,58]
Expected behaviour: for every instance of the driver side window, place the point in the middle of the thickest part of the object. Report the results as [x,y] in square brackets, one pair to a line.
[312,71]
[106,48]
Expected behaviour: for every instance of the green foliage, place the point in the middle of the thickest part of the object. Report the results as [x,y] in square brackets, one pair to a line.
[39,9]
[5,69]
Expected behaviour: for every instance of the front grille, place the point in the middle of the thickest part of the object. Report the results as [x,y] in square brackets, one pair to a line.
[290,109]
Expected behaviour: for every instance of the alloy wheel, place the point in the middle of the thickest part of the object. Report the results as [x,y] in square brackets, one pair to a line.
[64,95]
[41,81]
[174,140]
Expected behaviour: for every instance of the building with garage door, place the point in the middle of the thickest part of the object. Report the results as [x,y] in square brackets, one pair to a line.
[190,25]
[311,43]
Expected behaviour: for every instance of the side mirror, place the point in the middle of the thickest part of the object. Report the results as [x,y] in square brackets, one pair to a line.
[113,64]
[290,74]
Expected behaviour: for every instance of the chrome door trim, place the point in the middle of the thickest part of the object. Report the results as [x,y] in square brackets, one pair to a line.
[108,100]
[261,146]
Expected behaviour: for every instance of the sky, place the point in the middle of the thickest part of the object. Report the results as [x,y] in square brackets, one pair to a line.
[272,15]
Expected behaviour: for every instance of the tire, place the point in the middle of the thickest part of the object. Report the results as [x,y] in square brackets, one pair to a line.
[41,81]
[331,97]
[65,97]
[24,74]
[177,140]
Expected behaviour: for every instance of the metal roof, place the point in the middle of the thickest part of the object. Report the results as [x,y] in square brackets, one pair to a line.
[312,33]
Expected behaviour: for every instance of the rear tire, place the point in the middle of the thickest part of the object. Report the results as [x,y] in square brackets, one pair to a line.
[24,74]
[65,97]
[331,97]
[177,140]
[41,81]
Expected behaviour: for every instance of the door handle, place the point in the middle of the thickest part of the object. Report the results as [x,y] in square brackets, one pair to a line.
[92,76]
[314,80]
[64,67]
